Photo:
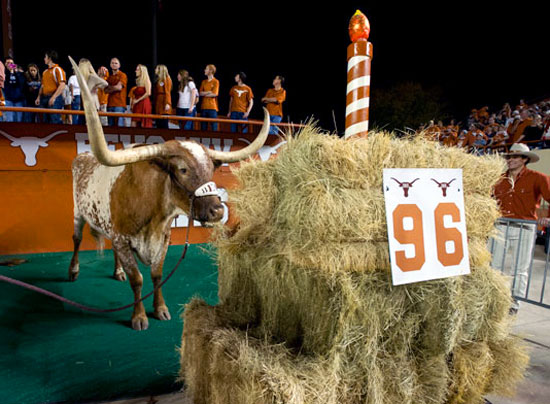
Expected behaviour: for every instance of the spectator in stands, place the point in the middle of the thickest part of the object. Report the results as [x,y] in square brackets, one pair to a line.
[32,87]
[14,91]
[519,193]
[499,140]
[274,99]
[521,106]
[141,103]
[532,135]
[240,102]
[75,99]
[210,88]
[118,85]
[67,101]
[524,121]
[102,96]
[162,95]
[53,83]
[188,97]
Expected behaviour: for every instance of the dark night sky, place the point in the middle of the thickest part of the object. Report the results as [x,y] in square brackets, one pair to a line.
[478,55]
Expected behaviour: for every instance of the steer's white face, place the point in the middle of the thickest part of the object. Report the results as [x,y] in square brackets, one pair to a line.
[198,152]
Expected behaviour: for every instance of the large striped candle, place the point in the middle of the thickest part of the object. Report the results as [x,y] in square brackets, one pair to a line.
[358,89]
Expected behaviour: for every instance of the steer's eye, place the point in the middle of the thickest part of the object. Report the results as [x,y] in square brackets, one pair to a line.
[183,170]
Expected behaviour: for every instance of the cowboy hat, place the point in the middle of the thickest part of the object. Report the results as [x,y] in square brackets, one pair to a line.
[521,149]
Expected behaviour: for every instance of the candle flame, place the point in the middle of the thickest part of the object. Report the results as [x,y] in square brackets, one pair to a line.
[359,27]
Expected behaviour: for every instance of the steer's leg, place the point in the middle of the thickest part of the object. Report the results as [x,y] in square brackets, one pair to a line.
[129,263]
[161,310]
[118,274]
[74,268]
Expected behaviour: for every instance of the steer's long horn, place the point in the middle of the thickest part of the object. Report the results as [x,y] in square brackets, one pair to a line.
[97,138]
[232,157]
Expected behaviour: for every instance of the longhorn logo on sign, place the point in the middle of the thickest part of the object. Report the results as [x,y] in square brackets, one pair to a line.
[426,228]
[30,145]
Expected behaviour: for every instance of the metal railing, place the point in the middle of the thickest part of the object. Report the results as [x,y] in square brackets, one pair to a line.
[514,254]
[226,121]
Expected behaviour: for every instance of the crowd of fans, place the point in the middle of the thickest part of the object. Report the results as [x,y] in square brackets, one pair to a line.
[487,132]
[51,89]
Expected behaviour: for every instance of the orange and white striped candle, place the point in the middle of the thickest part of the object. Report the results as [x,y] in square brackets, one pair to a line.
[358,88]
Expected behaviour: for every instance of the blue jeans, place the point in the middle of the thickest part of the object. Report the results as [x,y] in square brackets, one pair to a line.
[238,116]
[30,116]
[11,116]
[209,113]
[113,121]
[75,106]
[187,125]
[273,130]
[57,104]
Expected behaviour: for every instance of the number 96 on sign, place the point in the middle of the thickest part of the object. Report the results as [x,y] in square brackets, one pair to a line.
[426,224]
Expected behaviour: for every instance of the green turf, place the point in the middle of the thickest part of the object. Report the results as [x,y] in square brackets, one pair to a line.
[51,352]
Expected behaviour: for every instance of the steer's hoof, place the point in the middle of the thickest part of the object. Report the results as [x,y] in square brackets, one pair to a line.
[73,276]
[162,313]
[120,275]
[140,323]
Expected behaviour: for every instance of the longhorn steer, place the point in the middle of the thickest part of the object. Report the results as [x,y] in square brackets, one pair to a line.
[131,196]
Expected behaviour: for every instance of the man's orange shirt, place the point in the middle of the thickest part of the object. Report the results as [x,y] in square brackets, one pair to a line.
[519,130]
[102,96]
[240,98]
[214,87]
[276,109]
[451,139]
[51,78]
[118,98]
[520,199]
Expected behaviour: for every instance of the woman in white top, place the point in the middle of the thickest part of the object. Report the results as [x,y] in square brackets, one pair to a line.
[188,98]
[74,88]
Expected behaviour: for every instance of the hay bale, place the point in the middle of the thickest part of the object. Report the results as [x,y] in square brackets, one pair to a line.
[305,287]
[221,364]
[322,191]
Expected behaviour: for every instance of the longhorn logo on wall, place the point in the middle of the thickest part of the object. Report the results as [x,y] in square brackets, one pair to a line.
[30,145]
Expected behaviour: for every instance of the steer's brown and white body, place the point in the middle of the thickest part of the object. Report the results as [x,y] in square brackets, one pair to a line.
[131,197]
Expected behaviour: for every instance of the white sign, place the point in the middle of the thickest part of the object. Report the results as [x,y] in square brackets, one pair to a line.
[426,223]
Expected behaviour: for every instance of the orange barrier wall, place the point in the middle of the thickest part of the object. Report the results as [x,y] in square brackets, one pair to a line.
[36,180]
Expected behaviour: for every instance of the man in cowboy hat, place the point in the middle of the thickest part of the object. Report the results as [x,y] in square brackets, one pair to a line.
[519,193]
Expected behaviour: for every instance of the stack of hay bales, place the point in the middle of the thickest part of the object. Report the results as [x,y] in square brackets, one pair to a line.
[307,310]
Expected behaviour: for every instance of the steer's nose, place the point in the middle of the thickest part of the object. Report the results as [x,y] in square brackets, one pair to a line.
[215,212]
[209,209]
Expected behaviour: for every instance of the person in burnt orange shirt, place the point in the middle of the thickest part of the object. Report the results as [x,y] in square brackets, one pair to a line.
[118,85]
[519,194]
[209,90]
[240,102]
[162,94]
[53,83]
[102,96]
[274,99]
